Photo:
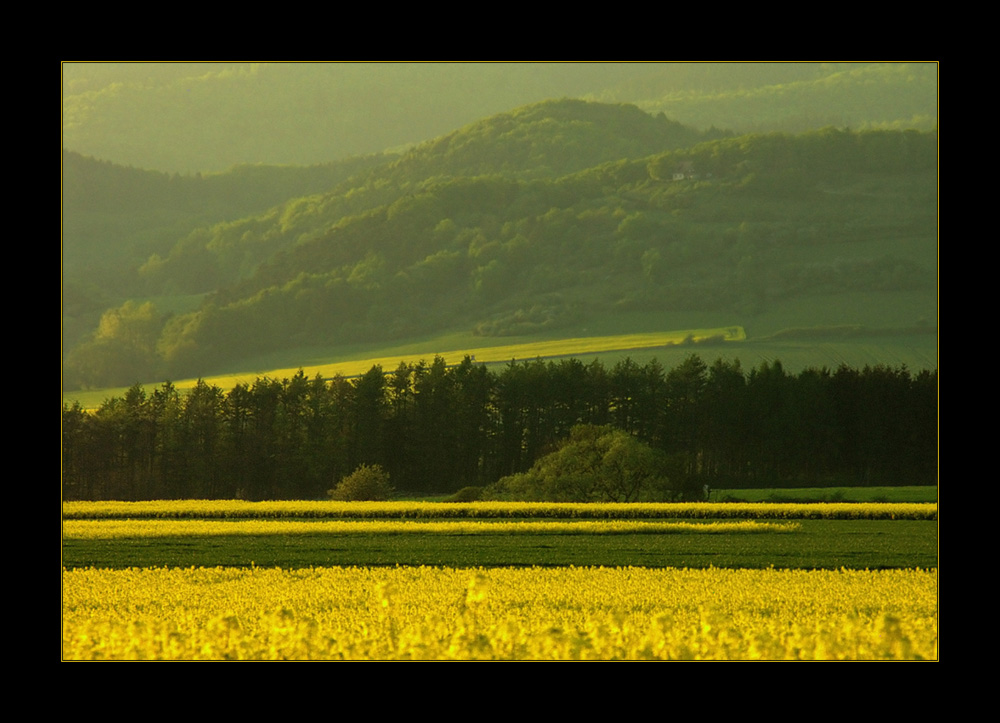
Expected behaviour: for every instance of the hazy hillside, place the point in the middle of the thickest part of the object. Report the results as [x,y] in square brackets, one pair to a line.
[545,140]
[216,115]
[115,219]
[789,96]
[210,116]
[547,218]
[115,216]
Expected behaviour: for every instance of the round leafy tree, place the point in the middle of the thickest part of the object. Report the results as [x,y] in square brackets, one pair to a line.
[595,464]
[367,483]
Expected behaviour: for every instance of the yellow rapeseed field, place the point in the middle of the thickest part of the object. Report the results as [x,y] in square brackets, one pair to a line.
[498,614]
[526,350]
[113,529]
[328,509]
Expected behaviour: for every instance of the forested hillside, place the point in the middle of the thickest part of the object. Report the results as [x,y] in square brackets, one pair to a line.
[539,220]
[115,219]
[151,209]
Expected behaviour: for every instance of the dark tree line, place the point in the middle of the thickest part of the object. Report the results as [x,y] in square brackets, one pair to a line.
[436,429]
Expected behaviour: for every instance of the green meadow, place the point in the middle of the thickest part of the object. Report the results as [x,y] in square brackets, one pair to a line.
[826,544]
[906,493]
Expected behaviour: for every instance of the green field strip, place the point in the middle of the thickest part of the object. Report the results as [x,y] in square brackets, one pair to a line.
[827,544]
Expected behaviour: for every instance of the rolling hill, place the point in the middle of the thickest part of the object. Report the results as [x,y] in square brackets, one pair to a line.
[547,220]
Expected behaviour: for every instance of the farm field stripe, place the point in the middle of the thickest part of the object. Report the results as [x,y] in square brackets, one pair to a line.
[117,529]
[237,509]
[526,351]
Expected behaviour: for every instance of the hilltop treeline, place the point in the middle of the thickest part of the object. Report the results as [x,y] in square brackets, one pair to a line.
[436,428]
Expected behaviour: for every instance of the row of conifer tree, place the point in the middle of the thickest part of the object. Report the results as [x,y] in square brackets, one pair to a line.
[437,428]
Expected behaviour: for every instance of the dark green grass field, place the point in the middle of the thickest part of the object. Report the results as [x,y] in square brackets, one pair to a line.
[829,494]
[819,544]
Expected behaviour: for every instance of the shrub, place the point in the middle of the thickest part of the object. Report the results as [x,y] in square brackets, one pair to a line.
[467,494]
[369,483]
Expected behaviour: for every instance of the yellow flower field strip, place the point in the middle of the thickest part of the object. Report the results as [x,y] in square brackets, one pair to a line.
[496,354]
[525,351]
[237,509]
[503,613]
[117,529]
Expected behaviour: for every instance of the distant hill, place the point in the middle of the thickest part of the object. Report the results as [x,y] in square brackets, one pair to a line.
[546,218]
[116,218]
[794,97]
[190,117]
[114,214]
[299,113]
[546,140]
